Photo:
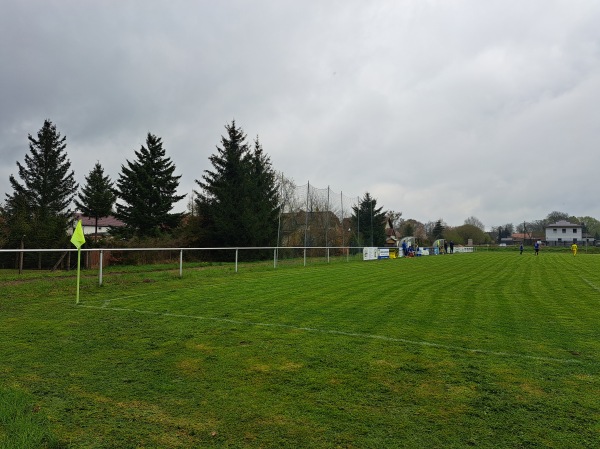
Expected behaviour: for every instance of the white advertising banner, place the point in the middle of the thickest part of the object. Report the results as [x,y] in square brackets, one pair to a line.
[370,253]
[384,253]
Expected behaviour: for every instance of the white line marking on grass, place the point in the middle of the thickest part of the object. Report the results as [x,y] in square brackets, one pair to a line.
[335,332]
[591,284]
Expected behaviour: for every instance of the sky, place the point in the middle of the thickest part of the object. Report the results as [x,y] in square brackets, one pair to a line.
[440,109]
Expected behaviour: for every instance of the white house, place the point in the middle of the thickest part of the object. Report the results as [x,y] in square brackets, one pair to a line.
[563,233]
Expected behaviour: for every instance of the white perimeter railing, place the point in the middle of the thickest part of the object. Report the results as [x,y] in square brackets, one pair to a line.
[101,251]
[344,250]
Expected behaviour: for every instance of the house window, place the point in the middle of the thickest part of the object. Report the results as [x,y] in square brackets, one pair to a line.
[574,240]
[554,230]
[564,231]
[574,231]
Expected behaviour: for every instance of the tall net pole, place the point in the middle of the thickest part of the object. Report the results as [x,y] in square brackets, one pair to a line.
[281,206]
[358,220]
[306,219]
[343,224]
[327,212]
[371,222]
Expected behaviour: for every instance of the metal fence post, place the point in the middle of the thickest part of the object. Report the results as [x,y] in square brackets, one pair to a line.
[100,268]
[181,263]
[21,256]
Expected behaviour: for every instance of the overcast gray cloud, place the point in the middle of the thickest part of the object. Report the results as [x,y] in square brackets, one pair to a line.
[439,109]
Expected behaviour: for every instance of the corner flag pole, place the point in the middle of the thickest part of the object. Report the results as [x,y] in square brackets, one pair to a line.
[78,239]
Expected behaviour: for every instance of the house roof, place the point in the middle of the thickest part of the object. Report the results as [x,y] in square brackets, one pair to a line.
[102,221]
[563,224]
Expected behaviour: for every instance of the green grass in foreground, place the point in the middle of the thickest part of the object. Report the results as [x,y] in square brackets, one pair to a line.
[467,350]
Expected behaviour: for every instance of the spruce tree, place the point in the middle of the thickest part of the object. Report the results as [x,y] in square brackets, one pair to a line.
[97,197]
[39,205]
[262,210]
[237,203]
[17,221]
[221,200]
[147,190]
[369,222]
[438,230]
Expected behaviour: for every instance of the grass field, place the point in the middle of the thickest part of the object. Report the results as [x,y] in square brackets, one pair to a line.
[466,350]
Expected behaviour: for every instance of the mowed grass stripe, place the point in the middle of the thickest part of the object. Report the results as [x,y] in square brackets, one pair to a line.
[228,321]
[406,300]
[449,351]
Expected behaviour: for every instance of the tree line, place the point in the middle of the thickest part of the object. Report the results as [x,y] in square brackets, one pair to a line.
[237,202]
[474,230]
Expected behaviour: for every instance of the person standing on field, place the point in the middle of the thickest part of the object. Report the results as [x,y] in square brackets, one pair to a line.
[536,247]
[574,248]
[521,249]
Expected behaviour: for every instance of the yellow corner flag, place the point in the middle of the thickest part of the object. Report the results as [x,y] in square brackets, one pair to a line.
[78,239]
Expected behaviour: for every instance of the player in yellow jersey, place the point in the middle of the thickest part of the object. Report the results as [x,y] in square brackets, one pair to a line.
[574,249]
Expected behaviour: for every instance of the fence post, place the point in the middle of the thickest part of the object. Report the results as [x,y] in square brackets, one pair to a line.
[181,263]
[275,258]
[236,260]
[100,272]
[21,256]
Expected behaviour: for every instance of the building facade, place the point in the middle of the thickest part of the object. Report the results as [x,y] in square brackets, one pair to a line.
[563,233]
